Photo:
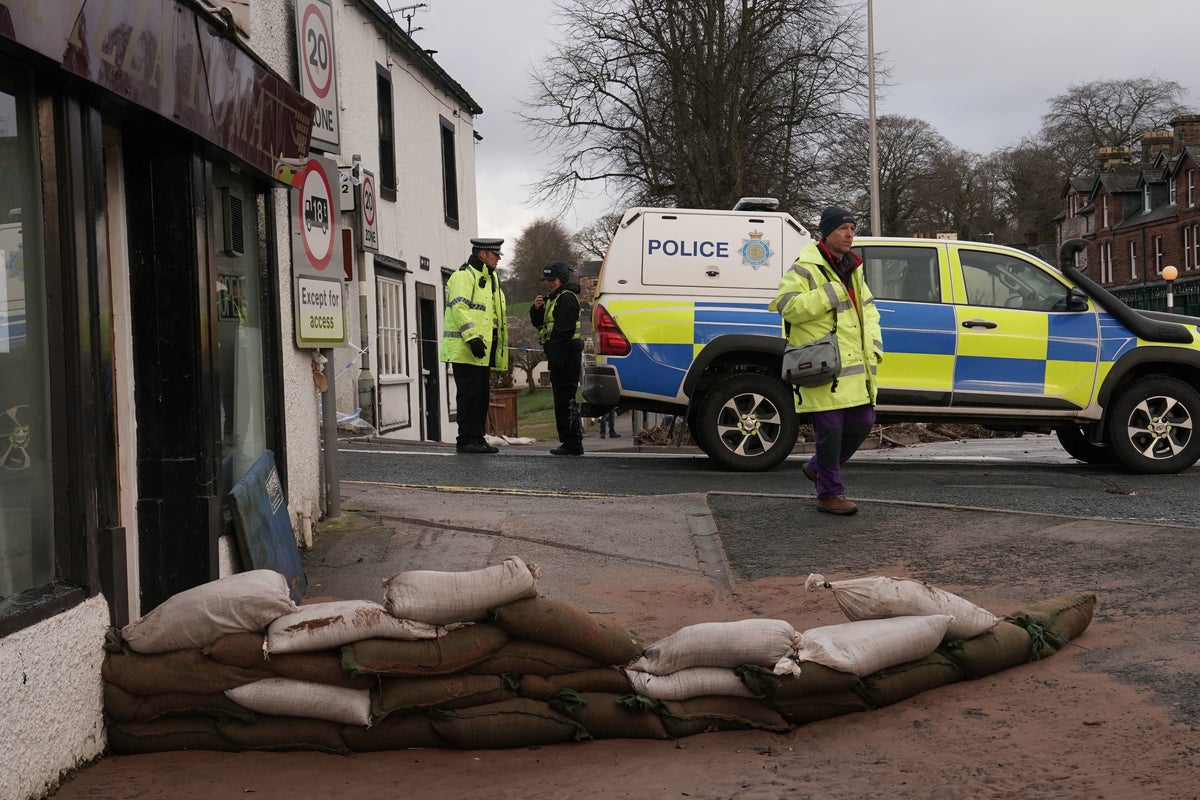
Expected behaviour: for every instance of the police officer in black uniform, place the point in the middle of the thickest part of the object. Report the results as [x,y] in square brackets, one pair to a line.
[556,316]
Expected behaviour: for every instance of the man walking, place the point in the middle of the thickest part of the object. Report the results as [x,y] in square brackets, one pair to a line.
[556,316]
[824,288]
[475,339]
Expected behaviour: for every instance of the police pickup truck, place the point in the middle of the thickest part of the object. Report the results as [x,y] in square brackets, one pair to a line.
[972,332]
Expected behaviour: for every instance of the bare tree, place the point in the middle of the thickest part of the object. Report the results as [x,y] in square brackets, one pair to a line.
[1030,178]
[592,241]
[1106,114]
[695,102]
[542,241]
[524,350]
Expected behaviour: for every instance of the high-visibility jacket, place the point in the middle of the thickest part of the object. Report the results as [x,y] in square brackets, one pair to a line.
[807,296]
[549,325]
[475,309]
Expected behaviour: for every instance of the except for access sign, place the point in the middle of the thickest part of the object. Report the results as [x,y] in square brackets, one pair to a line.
[320,316]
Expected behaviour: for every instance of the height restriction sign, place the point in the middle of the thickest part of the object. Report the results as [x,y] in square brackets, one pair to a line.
[317,255]
[318,71]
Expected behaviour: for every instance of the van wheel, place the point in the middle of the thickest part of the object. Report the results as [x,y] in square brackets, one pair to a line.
[1152,426]
[1075,441]
[747,423]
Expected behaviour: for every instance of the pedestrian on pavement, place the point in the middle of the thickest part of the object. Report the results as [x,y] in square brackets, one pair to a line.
[825,286]
[556,317]
[609,418]
[475,339]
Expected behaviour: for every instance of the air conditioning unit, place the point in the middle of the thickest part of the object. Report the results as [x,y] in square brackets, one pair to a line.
[233,226]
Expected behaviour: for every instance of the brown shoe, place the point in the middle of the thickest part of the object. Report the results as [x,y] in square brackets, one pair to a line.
[810,471]
[838,504]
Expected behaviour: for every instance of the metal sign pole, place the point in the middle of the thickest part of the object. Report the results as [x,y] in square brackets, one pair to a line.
[333,493]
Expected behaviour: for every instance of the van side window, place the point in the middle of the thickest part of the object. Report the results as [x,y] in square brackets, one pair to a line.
[999,280]
[902,273]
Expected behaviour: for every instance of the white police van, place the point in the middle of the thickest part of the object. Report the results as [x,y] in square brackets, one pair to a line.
[972,332]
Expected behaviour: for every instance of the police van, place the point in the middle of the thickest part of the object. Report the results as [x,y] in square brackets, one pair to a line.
[972,332]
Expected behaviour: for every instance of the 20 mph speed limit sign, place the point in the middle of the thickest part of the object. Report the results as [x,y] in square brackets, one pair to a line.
[318,78]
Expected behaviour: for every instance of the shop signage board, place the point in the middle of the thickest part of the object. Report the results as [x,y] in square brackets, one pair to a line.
[318,73]
[320,317]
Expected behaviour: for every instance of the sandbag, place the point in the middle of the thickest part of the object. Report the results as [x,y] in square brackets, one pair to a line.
[704,714]
[518,657]
[816,707]
[443,597]
[893,684]
[688,683]
[166,734]
[869,645]
[765,642]
[288,698]
[813,678]
[397,732]
[407,695]
[245,602]
[246,650]
[604,716]
[1005,645]
[878,598]
[512,723]
[283,734]
[603,679]
[549,621]
[1059,619]
[175,671]
[122,706]
[454,652]
[322,626]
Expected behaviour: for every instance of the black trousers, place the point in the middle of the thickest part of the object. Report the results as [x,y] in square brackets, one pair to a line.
[568,434]
[474,393]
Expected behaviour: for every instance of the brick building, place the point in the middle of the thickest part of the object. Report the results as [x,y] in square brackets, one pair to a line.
[1141,216]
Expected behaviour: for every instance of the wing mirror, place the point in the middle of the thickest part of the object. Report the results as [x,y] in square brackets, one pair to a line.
[1077,299]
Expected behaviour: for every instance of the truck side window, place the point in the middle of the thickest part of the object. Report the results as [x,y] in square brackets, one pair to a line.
[994,279]
[902,273]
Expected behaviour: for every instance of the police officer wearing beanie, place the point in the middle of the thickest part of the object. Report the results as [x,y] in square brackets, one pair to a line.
[827,277]
[475,339]
[556,316]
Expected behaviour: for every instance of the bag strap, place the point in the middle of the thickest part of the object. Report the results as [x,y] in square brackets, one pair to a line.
[787,326]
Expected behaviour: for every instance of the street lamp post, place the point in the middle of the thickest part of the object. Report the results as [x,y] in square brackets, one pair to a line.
[873,143]
[1169,275]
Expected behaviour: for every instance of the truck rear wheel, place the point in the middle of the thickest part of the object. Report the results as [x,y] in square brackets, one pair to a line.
[747,423]
[1153,426]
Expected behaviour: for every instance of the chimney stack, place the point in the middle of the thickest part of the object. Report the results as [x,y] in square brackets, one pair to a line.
[1155,142]
[1187,131]
[1111,157]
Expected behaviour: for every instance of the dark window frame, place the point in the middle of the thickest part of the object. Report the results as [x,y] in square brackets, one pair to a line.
[387,133]
[449,173]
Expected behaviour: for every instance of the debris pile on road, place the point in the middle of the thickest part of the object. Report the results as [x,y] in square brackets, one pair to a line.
[481,660]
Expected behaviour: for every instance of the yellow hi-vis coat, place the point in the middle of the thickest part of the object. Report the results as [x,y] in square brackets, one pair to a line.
[806,298]
[475,309]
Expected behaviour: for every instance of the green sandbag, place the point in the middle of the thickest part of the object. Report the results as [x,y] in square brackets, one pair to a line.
[122,706]
[604,716]
[1006,645]
[512,723]
[397,732]
[602,679]
[1059,619]
[166,734]
[281,734]
[556,622]
[701,714]
[405,695]
[815,707]
[323,666]
[453,652]
[902,681]
[175,671]
[814,678]
[518,657]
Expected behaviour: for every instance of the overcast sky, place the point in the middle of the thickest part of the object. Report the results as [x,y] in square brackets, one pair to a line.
[979,71]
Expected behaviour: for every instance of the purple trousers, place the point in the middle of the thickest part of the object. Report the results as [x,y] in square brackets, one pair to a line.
[838,435]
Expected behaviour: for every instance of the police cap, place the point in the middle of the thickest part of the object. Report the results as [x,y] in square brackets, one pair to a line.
[492,245]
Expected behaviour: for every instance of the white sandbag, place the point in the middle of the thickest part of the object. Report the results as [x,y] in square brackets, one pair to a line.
[443,597]
[688,683]
[322,626]
[870,645]
[879,597]
[285,697]
[243,603]
[763,642]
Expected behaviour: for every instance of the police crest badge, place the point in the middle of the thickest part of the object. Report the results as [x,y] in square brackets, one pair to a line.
[756,251]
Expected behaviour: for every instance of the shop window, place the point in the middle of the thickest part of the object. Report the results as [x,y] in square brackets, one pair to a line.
[449,174]
[27,534]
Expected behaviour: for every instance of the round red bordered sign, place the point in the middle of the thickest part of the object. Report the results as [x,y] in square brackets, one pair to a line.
[316,216]
[318,50]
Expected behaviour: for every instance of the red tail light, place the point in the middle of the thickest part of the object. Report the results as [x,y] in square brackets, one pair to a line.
[609,339]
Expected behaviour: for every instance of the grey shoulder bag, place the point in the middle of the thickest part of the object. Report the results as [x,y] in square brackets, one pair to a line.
[813,363]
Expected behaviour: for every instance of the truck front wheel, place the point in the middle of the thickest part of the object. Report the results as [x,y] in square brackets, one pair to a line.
[747,423]
[1152,426]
